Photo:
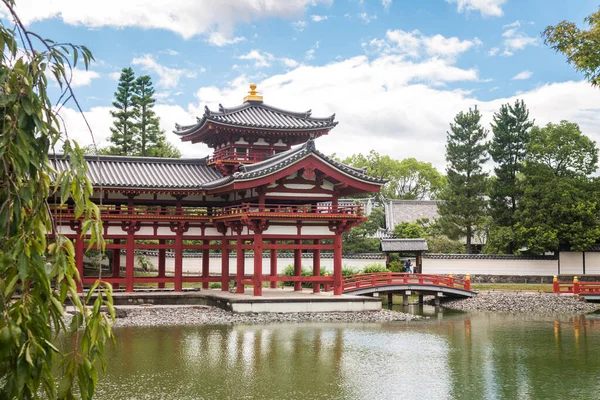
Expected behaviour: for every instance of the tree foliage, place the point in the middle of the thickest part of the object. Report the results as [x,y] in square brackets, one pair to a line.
[150,140]
[559,209]
[409,179]
[563,148]
[136,130]
[360,238]
[580,46]
[464,205]
[124,131]
[510,127]
[410,230]
[37,275]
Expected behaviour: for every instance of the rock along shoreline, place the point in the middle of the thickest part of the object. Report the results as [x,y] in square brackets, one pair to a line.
[205,315]
[522,302]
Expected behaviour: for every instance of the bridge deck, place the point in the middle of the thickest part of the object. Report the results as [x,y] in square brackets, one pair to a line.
[398,282]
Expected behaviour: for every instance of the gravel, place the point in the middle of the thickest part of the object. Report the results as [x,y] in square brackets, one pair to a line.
[539,303]
[203,315]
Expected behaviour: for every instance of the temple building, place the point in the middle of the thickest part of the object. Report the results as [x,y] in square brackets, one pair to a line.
[265,188]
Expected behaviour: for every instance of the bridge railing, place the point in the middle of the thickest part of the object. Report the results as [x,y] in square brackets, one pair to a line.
[359,281]
[575,287]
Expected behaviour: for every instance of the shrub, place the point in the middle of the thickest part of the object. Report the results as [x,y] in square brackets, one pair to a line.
[306,271]
[214,285]
[396,266]
[374,268]
[348,270]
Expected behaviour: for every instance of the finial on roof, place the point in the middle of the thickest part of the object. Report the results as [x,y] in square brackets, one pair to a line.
[253,94]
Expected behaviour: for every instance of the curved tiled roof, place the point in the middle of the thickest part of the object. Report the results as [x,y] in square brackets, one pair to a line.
[185,174]
[282,160]
[393,245]
[144,172]
[258,115]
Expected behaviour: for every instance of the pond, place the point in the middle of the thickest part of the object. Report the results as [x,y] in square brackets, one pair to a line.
[449,356]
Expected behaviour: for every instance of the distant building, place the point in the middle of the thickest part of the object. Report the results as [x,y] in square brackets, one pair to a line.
[398,211]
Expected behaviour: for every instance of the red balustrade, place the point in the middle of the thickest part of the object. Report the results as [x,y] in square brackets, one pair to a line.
[575,287]
[237,157]
[360,281]
[202,213]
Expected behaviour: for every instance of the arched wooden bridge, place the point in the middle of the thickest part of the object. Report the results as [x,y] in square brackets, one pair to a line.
[366,284]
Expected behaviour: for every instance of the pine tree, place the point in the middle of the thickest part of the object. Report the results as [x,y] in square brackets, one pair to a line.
[510,129]
[150,140]
[464,205]
[124,130]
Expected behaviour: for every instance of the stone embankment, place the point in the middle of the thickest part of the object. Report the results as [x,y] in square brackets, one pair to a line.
[203,315]
[540,303]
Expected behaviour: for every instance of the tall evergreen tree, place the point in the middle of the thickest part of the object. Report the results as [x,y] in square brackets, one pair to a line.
[124,129]
[464,205]
[510,129]
[150,139]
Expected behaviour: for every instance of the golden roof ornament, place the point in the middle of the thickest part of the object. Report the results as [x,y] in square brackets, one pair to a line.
[253,94]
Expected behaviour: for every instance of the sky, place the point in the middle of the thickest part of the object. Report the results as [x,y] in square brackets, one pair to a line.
[395,72]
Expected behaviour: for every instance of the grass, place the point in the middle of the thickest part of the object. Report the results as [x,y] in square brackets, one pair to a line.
[531,287]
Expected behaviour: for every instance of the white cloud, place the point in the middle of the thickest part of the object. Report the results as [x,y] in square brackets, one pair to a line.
[170,52]
[487,8]
[218,39]
[310,54]
[261,59]
[167,77]
[515,39]
[80,77]
[415,45]
[391,104]
[115,75]
[319,18]
[366,17]
[186,18]
[386,4]
[523,75]
[299,25]
[288,62]
[493,51]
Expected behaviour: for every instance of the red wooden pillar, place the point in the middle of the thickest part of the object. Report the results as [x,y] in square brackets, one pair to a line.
[79,243]
[178,259]
[225,265]
[116,263]
[297,265]
[317,266]
[273,271]
[130,258]
[257,279]
[162,255]
[239,274]
[205,264]
[337,264]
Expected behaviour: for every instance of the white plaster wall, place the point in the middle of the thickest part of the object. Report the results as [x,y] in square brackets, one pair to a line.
[592,263]
[281,230]
[194,265]
[165,231]
[571,262]
[490,267]
[146,230]
[317,230]
[64,229]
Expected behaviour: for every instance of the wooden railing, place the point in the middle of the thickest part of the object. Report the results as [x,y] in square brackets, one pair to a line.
[206,213]
[237,157]
[361,281]
[575,287]
[284,209]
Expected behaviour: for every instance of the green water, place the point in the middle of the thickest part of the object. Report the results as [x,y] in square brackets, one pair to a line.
[449,356]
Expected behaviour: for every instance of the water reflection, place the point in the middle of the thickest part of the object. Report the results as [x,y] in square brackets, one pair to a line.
[449,356]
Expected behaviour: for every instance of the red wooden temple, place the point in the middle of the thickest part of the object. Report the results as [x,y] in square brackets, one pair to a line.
[254,193]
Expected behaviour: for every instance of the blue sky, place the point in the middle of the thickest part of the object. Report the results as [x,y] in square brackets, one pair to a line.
[395,72]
